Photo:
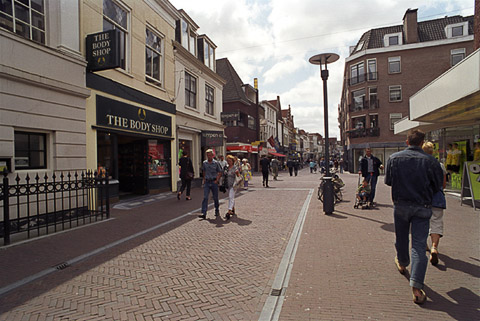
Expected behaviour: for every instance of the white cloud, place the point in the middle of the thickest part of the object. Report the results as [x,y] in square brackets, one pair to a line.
[283,69]
[273,40]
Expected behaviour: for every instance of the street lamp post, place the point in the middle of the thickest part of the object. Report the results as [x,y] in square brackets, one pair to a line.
[323,60]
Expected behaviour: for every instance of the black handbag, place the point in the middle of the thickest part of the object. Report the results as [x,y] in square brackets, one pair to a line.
[189,175]
[224,186]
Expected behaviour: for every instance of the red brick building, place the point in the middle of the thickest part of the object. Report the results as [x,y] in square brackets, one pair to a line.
[240,114]
[385,68]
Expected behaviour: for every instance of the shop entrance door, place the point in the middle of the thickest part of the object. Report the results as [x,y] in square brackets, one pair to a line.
[132,166]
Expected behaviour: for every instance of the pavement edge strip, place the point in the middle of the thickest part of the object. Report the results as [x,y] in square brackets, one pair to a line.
[273,304]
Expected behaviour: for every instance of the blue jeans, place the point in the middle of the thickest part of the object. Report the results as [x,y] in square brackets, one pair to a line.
[372,180]
[206,191]
[416,219]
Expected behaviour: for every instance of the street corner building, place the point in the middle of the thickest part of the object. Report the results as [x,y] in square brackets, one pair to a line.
[387,67]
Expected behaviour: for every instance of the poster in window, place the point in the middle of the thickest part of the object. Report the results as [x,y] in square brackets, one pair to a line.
[157,164]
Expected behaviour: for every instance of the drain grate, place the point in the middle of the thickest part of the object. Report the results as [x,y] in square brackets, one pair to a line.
[62,266]
[276,292]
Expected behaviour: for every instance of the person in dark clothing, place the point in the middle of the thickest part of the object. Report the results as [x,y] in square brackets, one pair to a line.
[414,177]
[290,166]
[369,168]
[186,175]
[296,166]
[265,163]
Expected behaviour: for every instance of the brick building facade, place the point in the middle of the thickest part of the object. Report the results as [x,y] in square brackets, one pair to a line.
[240,114]
[386,67]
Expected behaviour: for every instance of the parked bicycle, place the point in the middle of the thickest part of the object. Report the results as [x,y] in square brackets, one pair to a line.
[337,188]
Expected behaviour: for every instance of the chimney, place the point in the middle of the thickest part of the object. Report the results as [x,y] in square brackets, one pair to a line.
[410,26]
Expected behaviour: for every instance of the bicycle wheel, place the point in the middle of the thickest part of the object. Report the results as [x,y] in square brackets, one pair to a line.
[320,192]
[338,196]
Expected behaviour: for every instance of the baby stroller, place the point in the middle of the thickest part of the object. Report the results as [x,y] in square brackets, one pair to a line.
[361,200]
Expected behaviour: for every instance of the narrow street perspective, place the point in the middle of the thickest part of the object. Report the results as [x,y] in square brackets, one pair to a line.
[252,160]
[341,268]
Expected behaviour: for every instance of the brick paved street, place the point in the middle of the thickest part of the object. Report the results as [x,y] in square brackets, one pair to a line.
[192,269]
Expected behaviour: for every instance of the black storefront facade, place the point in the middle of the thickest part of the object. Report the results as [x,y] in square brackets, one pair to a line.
[130,135]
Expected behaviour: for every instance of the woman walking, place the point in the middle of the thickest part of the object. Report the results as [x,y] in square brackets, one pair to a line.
[232,174]
[186,175]
[246,172]
[438,205]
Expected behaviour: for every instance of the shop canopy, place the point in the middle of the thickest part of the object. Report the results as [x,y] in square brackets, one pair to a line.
[277,154]
[451,100]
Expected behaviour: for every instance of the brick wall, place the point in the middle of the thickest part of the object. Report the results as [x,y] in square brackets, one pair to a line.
[418,68]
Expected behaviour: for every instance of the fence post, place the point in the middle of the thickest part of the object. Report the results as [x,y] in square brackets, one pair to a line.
[6,209]
[107,196]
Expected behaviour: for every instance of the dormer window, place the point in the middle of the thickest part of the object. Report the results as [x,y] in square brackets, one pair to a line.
[189,38]
[360,45]
[392,39]
[206,51]
[457,30]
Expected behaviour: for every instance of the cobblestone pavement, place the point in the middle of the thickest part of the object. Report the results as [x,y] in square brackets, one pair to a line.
[160,262]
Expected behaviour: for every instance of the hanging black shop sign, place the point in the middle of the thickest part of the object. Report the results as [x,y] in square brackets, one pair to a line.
[212,138]
[125,117]
[103,50]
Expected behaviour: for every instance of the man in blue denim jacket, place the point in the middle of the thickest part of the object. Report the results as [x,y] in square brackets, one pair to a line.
[414,177]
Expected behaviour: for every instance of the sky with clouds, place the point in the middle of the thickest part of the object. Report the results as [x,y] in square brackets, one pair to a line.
[272,40]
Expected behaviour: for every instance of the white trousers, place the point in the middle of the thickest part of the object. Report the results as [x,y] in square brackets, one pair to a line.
[231,198]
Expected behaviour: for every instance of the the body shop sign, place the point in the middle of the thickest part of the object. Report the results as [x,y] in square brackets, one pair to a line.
[103,50]
[121,116]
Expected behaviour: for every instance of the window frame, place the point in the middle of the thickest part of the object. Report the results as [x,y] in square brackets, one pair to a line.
[148,78]
[397,116]
[386,39]
[375,73]
[361,95]
[360,118]
[456,28]
[393,88]
[30,151]
[392,60]
[372,117]
[450,28]
[16,21]
[358,76]
[126,31]
[370,95]
[251,123]
[208,102]
[189,92]
[456,52]
[186,37]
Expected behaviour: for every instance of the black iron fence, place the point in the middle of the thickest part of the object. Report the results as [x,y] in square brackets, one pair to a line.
[37,205]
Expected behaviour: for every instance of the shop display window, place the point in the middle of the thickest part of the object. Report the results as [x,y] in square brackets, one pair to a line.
[184,146]
[157,160]
[104,153]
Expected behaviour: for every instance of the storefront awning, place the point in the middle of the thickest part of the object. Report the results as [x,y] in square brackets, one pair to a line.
[242,149]
[277,154]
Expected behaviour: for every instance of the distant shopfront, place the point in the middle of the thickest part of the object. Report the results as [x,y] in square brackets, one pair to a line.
[134,144]
[212,140]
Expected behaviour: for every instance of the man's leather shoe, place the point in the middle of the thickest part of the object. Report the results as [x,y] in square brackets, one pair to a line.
[204,216]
